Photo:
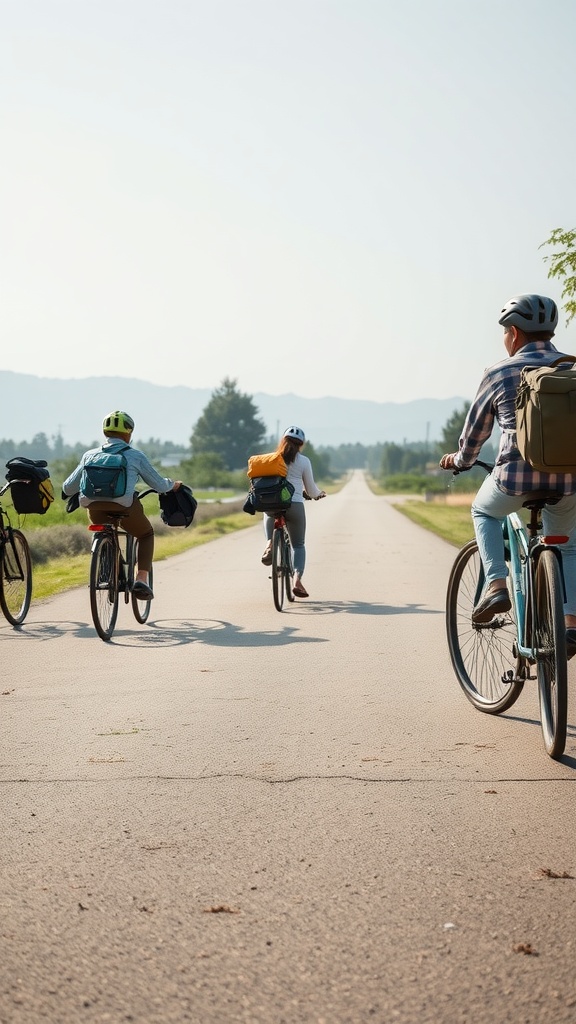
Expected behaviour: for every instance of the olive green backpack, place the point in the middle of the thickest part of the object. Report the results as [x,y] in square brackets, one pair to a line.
[546,416]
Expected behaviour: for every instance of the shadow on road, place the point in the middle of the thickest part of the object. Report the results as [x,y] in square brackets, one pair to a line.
[566,759]
[168,633]
[47,631]
[363,608]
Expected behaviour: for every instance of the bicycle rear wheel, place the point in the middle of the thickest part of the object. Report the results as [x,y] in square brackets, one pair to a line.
[484,657]
[141,609]
[278,571]
[288,566]
[551,662]
[104,585]
[15,577]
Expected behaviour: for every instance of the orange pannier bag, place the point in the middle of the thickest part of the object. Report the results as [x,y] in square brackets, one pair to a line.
[271,464]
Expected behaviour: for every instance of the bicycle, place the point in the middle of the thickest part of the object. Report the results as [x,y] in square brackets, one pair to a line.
[492,660]
[282,563]
[15,568]
[112,572]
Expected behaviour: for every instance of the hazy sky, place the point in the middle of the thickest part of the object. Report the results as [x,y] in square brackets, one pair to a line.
[329,197]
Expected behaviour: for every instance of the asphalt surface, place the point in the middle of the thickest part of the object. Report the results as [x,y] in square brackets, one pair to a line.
[236,815]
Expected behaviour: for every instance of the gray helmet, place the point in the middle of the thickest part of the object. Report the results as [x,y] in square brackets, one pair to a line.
[295,433]
[530,313]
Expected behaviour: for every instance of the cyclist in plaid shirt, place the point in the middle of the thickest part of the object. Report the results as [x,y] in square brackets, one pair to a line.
[529,323]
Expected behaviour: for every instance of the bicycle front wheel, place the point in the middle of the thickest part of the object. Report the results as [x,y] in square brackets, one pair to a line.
[551,662]
[15,577]
[484,657]
[104,586]
[141,609]
[278,571]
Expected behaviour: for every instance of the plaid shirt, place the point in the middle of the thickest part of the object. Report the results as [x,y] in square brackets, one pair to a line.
[495,400]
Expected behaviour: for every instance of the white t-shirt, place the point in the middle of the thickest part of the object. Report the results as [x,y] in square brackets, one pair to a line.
[301,477]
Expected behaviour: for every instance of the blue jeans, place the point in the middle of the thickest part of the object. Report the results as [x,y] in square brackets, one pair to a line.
[491,506]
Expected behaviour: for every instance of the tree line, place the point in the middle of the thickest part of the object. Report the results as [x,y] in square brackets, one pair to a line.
[229,430]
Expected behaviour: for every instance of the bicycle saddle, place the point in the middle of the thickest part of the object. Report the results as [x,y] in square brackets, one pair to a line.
[538,499]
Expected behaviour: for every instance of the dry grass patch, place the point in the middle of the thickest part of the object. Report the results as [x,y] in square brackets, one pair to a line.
[451,522]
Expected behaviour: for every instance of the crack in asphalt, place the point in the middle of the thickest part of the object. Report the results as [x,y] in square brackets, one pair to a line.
[286,780]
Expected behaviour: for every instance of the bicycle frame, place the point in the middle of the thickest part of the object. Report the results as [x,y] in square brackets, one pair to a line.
[492,659]
[113,573]
[281,571]
[7,541]
[122,548]
[15,567]
[524,553]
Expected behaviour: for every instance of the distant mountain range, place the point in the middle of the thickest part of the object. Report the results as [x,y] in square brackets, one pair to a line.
[75,408]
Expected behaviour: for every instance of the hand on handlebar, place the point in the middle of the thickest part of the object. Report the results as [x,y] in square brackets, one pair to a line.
[447,462]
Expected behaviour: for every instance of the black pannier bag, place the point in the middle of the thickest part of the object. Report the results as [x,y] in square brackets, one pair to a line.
[35,496]
[178,507]
[269,494]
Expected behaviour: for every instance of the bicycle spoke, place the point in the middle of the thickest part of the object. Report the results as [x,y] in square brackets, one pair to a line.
[484,656]
[104,585]
[141,609]
[288,565]
[278,576]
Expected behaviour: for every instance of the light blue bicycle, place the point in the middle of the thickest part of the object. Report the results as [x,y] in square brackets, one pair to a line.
[493,660]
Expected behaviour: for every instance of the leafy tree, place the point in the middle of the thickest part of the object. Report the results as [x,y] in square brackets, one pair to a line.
[352,456]
[158,450]
[407,458]
[207,469]
[563,265]
[58,448]
[452,429]
[61,468]
[228,426]
[392,455]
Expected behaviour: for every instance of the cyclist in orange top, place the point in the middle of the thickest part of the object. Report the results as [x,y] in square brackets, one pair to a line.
[117,428]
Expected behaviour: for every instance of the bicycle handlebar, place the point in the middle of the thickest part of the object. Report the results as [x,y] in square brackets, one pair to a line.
[73,500]
[10,482]
[464,469]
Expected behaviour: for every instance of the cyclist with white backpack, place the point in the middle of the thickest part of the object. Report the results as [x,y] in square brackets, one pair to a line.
[105,480]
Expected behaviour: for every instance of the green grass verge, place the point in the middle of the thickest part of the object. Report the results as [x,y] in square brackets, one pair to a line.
[451,522]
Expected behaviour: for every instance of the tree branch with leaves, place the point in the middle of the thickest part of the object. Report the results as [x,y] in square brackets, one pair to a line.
[563,266]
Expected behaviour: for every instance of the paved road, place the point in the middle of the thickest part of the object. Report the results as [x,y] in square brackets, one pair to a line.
[232,815]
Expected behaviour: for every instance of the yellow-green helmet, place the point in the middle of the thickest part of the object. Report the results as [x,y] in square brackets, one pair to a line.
[118,423]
